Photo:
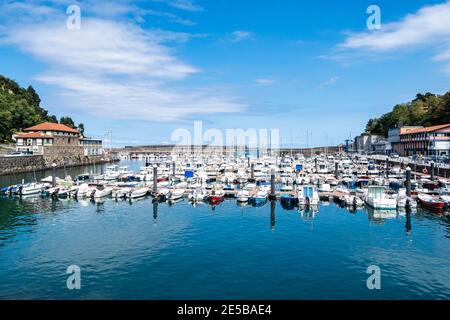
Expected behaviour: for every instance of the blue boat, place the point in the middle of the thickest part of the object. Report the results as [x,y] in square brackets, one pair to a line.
[288,199]
[259,199]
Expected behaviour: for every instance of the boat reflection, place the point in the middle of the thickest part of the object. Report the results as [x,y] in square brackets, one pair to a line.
[378,216]
[309,212]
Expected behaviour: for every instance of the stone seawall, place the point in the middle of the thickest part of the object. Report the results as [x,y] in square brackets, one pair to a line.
[12,165]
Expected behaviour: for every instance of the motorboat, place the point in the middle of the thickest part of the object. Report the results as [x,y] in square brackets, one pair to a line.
[259,198]
[138,193]
[430,202]
[308,196]
[176,194]
[198,195]
[102,192]
[216,196]
[31,188]
[243,196]
[376,198]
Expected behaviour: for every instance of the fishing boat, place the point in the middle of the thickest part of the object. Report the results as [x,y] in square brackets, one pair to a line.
[377,199]
[430,202]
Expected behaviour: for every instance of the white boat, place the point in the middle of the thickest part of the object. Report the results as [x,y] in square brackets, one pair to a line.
[198,195]
[377,199]
[325,187]
[102,192]
[31,188]
[176,194]
[403,201]
[286,188]
[308,195]
[120,193]
[85,191]
[138,193]
[243,196]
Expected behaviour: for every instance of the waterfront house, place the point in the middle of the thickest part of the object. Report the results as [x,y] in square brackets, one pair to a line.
[58,143]
[394,137]
[35,140]
[428,141]
[92,147]
[364,142]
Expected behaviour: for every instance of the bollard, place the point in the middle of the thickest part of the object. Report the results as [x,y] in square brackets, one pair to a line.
[54,175]
[315,163]
[272,185]
[248,162]
[432,171]
[408,182]
[155,179]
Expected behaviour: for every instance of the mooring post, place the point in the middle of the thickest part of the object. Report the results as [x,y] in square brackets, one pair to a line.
[432,170]
[155,179]
[173,169]
[54,174]
[248,162]
[408,182]
[155,212]
[315,163]
[387,167]
[252,170]
[272,215]
[336,170]
[272,185]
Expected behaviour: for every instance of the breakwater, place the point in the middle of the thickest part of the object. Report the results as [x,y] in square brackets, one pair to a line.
[13,165]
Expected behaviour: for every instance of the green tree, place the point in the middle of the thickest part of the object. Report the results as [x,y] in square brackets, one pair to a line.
[67,121]
[81,128]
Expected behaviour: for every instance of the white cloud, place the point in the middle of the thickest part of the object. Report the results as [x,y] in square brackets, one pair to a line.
[238,36]
[428,28]
[265,81]
[329,82]
[115,69]
[185,5]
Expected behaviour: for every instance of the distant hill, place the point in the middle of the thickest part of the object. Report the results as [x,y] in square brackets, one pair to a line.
[425,110]
[20,108]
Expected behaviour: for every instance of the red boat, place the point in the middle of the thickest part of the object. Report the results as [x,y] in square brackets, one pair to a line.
[217,197]
[430,202]
[162,179]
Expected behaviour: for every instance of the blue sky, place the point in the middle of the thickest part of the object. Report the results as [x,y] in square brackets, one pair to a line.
[146,68]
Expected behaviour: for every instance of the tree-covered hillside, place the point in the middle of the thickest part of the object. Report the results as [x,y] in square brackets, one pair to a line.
[425,110]
[20,108]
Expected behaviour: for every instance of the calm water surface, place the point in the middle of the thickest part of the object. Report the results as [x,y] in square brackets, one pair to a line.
[142,250]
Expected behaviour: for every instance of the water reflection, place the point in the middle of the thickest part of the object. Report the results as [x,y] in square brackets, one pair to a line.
[155,212]
[272,214]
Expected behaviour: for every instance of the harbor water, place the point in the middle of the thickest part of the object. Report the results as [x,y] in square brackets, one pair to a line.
[144,250]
